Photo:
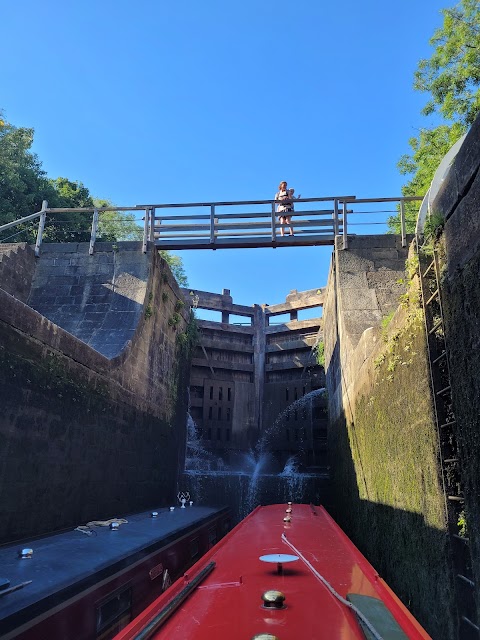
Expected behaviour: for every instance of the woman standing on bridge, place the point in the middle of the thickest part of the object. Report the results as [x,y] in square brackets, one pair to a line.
[284,210]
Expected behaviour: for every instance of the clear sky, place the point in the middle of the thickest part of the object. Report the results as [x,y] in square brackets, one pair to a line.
[209,100]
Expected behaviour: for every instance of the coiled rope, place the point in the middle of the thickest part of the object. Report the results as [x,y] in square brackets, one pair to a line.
[89,529]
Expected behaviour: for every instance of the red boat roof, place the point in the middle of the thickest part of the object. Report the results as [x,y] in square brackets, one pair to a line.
[221,596]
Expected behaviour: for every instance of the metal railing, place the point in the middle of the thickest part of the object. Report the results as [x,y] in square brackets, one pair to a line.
[247,223]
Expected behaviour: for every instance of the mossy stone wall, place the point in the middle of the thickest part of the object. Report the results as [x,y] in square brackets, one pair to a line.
[83,437]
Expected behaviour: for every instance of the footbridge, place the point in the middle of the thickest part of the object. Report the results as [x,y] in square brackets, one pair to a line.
[240,224]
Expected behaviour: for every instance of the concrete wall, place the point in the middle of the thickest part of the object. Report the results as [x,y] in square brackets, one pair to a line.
[84,436]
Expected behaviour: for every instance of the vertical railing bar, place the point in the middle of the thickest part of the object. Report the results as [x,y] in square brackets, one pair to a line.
[93,235]
[212,224]
[402,224]
[345,236]
[152,224]
[274,222]
[145,231]
[41,227]
[335,217]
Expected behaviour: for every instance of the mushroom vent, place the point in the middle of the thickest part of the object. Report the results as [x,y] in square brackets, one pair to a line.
[273,599]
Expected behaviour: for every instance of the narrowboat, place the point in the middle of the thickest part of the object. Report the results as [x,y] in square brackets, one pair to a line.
[286,572]
[89,583]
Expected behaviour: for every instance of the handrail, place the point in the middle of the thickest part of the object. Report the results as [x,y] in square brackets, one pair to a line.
[239,229]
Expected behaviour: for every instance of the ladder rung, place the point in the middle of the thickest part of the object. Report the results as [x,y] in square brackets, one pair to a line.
[457,537]
[428,268]
[456,498]
[466,580]
[444,390]
[434,295]
[470,623]
[451,460]
[435,326]
[440,357]
[448,424]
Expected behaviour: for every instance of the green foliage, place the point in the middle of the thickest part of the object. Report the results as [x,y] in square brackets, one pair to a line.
[179,305]
[462,524]
[148,311]
[319,351]
[433,225]
[164,296]
[23,183]
[385,322]
[188,340]
[451,76]
[116,225]
[174,320]
[176,265]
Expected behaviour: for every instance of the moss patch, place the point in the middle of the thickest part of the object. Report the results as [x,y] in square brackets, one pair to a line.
[389,497]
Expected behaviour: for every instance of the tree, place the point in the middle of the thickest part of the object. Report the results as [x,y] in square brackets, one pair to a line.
[116,225]
[176,265]
[452,74]
[23,183]
[68,227]
[452,77]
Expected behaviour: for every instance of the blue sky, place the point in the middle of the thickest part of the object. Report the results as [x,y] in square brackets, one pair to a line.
[155,101]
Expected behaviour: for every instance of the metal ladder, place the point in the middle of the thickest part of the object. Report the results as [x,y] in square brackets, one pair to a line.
[461,560]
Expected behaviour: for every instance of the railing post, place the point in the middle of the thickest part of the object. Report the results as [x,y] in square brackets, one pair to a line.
[93,235]
[402,224]
[335,218]
[145,231]
[212,224]
[41,227]
[152,224]
[274,222]
[345,236]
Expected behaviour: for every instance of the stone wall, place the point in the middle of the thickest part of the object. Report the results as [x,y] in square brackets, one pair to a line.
[382,439]
[84,436]
[17,268]
[98,298]
[459,202]
[364,286]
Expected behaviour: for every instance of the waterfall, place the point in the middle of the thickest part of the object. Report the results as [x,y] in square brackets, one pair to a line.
[253,480]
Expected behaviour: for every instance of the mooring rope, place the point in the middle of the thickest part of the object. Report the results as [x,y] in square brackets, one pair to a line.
[325,582]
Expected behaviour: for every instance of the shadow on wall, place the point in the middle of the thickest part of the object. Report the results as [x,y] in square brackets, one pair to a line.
[410,555]
[97,298]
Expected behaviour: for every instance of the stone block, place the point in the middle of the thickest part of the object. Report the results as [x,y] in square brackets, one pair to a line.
[358,299]
[357,321]
[350,261]
[352,279]
[384,279]
[391,265]
[462,230]
[60,247]
[373,242]
[467,161]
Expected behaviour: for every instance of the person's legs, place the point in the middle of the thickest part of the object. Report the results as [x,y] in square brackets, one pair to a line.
[288,221]
[282,222]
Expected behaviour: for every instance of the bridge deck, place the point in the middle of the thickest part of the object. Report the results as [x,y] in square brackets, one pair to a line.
[298,240]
